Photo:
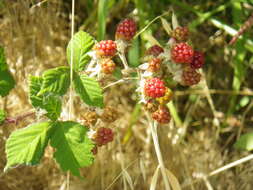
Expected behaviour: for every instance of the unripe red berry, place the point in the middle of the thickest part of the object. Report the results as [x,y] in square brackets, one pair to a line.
[126,29]
[154,64]
[190,76]
[103,136]
[154,87]
[155,50]
[106,48]
[182,53]
[198,60]
[108,66]
[162,115]
[180,33]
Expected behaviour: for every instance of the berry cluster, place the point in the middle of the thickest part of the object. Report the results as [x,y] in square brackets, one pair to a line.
[184,54]
[178,61]
[102,63]
[99,134]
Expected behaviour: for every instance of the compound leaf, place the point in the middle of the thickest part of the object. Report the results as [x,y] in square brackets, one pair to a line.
[56,80]
[27,145]
[245,142]
[73,147]
[89,90]
[81,43]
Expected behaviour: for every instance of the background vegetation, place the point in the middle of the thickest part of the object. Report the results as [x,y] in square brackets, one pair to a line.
[208,119]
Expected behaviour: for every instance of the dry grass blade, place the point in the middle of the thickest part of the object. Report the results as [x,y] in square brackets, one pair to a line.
[166,26]
[175,185]
[154,179]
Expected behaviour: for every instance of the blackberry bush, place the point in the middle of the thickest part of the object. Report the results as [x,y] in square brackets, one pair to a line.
[90,74]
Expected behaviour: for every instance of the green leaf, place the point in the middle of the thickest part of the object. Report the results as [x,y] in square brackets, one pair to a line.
[2,116]
[73,147]
[49,102]
[56,81]
[35,84]
[7,82]
[89,90]
[52,104]
[81,43]
[3,64]
[27,145]
[245,142]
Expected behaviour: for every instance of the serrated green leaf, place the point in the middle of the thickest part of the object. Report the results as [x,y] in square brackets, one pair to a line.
[7,82]
[73,147]
[3,64]
[89,90]
[49,102]
[52,104]
[245,142]
[35,84]
[81,43]
[27,145]
[2,116]
[55,81]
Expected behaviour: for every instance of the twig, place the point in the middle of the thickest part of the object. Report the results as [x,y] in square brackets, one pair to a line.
[156,18]
[39,4]
[243,28]
[124,61]
[221,169]
[214,91]
[15,120]
[119,81]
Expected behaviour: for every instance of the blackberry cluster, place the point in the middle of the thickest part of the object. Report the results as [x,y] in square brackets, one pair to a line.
[178,61]
[105,50]
[183,53]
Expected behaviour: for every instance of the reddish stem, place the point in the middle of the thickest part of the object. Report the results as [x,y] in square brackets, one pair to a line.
[15,120]
[244,27]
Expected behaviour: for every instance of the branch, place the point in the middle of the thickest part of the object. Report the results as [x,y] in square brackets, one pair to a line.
[15,120]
